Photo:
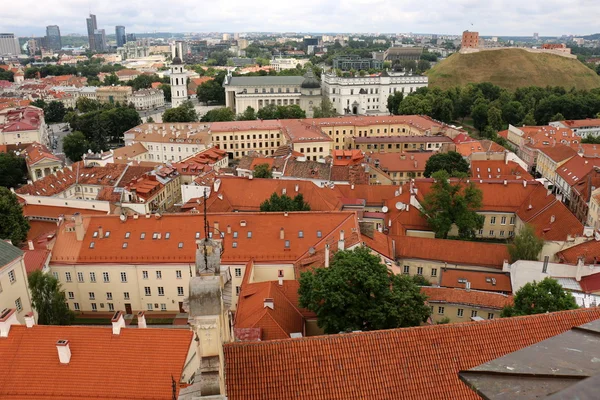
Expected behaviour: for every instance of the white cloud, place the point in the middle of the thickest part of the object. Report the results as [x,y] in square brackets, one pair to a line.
[492,17]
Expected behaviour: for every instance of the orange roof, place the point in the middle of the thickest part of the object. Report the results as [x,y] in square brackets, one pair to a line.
[379,243]
[409,363]
[580,123]
[590,251]
[479,146]
[403,162]
[124,154]
[480,280]
[576,169]
[256,125]
[452,251]
[277,322]
[301,131]
[136,364]
[491,169]
[256,236]
[36,152]
[35,259]
[591,150]
[558,153]
[347,157]
[37,210]
[475,298]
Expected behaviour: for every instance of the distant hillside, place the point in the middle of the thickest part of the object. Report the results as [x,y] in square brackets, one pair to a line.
[595,36]
[511,69]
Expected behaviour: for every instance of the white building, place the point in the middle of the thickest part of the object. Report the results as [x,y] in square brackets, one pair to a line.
[148,99]
[260,91]
[9,44]
[368,94]
[280,64]
[581,127]
[23,125]
[178,81]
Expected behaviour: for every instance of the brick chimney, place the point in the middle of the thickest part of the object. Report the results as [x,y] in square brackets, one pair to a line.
[341,242]
[281,234]
[100,232]
[327,256]
[79,230]
[30,245]
[29,320]
[117,322]
[269,303]
[64,351]
[141,319]
[8,317]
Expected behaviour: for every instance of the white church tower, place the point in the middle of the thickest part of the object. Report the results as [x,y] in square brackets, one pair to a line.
[178,78]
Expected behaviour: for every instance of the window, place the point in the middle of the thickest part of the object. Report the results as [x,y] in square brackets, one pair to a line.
[126,295]
[440,310]
[179,290]
[55,275]
[167,235]
[149,306]
[238,272]
[419,270]
[512,220]
[143,236]
[460,312]
[144,274]
[67,276]
[111,307]
[127,234]
[490,315]
[503,221]
[406,269]
[71,295]
[319,234]
[161,291]
[92,244]
[492,232]
[80,277]
[287,244]
[501,233]
[493,220]
[94,307]
[107,234]
[124,277]
[480,232]
[433,271]
[163,307]
[105,277]
[147,291]
[158,275]
[249,234]
[473,313]
[178,274]
[237,290]
[92,277]
[92,296]
[76,306]
[180,245]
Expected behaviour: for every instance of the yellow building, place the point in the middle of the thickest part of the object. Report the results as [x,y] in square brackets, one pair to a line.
[14,292]
[114,94]
[549,159]
[461,305]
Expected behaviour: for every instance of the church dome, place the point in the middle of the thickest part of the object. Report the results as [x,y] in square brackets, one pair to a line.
[176,61]
[310,82]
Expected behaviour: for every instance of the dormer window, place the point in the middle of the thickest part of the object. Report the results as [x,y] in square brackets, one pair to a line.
[180,245]
[95,235]
[249,234]
[300,234]
[92,244]
[143,236]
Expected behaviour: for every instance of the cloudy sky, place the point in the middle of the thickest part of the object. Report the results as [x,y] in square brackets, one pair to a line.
[491,17]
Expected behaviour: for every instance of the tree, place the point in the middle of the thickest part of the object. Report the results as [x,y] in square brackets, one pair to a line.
[393,102]
[184,113]
[479,113]
[85,105]
[13,225]
[55,111]
[248,115]
[262,171]
[526,245]
[75,146]
[494,118]
[539,298]
[449,204]
[150,120]
[557,117]
[110,80]
[451,162]
[39,103]
[357,292]
[7,75]
[211,91]
[166,88]
[268,112]
[529,120]
[325,109]
[284,203]
[49,300]
[219,115]
[13,170]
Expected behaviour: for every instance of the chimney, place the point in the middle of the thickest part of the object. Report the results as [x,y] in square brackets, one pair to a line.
[283,191]
[579,272]
[468,286]
[269,303]
[29,320]
[141,319]
[100,232]
[64,352]
[280,281]
[217,232]
[30,245]
[281,234]
[326,256]
[117,322]
[8,317]
[552,219]
[297,188]
[229,229]
[545,265]
[79,230]
[341,241]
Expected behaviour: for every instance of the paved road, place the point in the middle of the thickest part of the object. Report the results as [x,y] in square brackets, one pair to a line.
[56,133]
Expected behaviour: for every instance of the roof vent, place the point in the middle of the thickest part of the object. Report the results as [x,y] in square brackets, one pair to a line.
[269,303]
[29,320]
[243,222]
[64,352]
[141,319]
[552,219]
[117,322]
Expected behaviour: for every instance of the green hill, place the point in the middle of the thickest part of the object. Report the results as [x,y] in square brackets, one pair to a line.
[511,69]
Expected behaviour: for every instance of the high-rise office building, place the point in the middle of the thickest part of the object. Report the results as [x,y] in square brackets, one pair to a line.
[53,41]
[100,40]
[131,37]
[92,27]
[9,44]
[121,37]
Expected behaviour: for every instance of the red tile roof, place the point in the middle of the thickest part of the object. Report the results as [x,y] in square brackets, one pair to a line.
[590,251]
[380,243]
[580,123]
[558,153]
[35,210]
[475,298]
[400,162]
[409,363]
[491,169]
[35,259]
[347,157]
[136,364]
[36,152]
[576,169]
[479,146]
[457,252]
[480,280]
[590,283]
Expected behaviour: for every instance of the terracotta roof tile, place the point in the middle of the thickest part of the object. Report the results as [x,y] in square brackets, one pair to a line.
[409,363]
[136,364]
[576,169]
[396,162]
[590,283]
[475,298]
[590,251]
[36,152]
[491,169]
[35,260]
[558,153]
[480,280]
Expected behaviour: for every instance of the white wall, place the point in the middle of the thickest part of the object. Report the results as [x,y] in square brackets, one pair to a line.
[61,202]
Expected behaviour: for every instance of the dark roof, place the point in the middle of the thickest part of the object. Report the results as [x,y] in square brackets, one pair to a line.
[265,80]
[541,369]
[8,253]
[310,82]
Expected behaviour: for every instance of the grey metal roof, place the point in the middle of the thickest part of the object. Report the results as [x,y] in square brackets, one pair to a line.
[265,80]
[8,253]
